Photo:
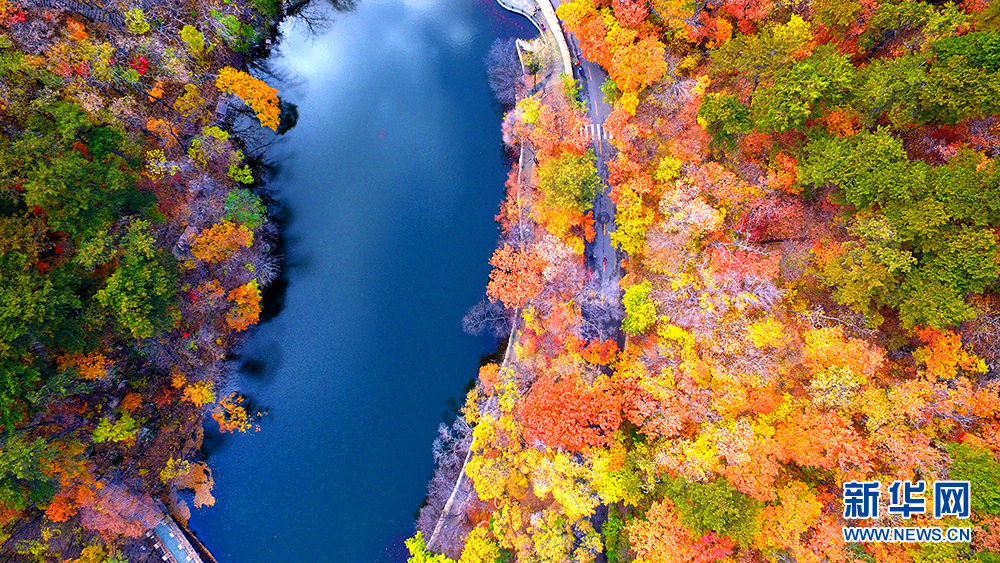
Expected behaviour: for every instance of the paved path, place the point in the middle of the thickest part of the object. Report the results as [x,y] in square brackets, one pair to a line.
[604,257]
[454,511]
[542,14]
[548,8]
[527,8]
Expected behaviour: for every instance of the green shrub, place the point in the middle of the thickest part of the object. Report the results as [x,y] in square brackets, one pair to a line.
[640,310]
[723,115]
[243,206]
[194,40]
[716,507]
[125,428]
[980,468]
[135,21]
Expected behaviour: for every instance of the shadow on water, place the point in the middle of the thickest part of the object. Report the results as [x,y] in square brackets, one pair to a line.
[355,372]
[289,117]
[262,366]
[281,217]
[454,404]
[214,442]
[273,296]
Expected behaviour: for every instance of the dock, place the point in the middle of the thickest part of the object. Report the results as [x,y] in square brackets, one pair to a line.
[171,542]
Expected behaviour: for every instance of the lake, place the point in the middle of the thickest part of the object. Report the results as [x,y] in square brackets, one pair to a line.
[389,183]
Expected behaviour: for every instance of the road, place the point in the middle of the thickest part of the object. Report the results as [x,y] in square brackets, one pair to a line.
[603,257]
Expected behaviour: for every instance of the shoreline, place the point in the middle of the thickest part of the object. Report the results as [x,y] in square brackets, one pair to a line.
[158,371]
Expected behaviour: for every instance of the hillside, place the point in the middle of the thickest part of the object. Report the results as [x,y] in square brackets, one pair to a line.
[133,253]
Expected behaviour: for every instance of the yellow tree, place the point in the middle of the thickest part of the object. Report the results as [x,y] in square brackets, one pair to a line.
[232,416]
[190,101]
[220,241]
[828,347]
[944,355]
[254,92]
[200,393]
[785,525]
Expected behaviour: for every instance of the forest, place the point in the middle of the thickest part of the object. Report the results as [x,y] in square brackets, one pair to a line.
[134,248]
[807,218]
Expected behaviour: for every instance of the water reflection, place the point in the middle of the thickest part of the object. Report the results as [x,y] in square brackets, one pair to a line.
[389,182]
[289,117]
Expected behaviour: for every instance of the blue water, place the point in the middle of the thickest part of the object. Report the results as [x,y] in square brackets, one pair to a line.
[390,182]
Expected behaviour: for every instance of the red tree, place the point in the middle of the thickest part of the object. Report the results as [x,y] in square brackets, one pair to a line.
[567,413]
[516,277]
[631,12]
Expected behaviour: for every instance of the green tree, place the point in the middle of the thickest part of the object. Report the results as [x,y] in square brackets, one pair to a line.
[717,506]
[243,206]
[417,547]
[824,78]
[612,534]
[955,91]
[968,188]
[965,258]
[723,115]
[869,167]
[570,181]
[194,40]
[890,88]
[980,468]
[836,15]
[610,91]
[869,269]
[141,290]
[925,300]
[33,305]
[22,479]
[758,57]
[121,430]
[17,381]
[964,80]
[571,87]
[891,18]
[979,49]
[640,309]
[78,192]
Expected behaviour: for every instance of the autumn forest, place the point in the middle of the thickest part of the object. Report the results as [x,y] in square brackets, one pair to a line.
[765,271]
[133,253]
[806,220]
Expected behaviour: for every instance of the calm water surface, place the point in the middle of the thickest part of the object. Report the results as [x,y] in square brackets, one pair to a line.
[390,180]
